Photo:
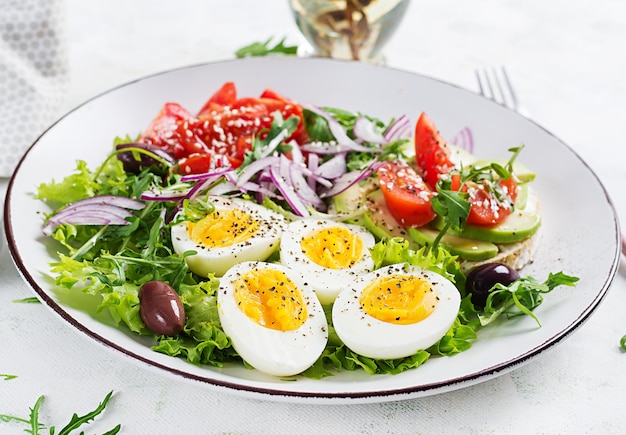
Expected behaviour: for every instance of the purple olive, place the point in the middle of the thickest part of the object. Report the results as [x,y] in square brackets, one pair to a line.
[136,162]
[161,309]
[481,280]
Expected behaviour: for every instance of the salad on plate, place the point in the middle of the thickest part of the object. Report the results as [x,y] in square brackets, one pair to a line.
[299,240]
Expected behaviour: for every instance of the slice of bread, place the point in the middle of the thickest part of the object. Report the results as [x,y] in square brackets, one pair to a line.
[515,255]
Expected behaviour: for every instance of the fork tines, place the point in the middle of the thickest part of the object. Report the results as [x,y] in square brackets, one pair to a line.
[494,83]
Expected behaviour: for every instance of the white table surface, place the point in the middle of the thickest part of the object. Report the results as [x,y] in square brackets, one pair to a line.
[567,61]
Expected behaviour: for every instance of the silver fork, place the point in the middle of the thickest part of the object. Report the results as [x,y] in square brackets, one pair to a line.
[494,83]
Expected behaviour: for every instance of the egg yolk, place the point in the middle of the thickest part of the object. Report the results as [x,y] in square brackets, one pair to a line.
[271,299]
[399,299]
[332,247]
[223,228]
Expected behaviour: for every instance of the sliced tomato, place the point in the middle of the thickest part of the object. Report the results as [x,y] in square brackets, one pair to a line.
[485,210]
[200,163]
[272,94]
[224,96]
[290,108]
[406,194]
[164,126]
[230,133]
[270,105]
[432,154]
[194,164]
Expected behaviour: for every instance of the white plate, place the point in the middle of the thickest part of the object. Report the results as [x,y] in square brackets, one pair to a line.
[578,237]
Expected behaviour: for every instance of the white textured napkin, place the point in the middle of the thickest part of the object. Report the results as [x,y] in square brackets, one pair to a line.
[33,73]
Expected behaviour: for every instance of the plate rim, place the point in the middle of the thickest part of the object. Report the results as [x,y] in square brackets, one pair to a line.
[297,396]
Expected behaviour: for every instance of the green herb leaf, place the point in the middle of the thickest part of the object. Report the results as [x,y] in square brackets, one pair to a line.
[452,206]
[31,300]
[521,297]
[77,421]
[8,377]
[273,142]
[34,417]
[264,49]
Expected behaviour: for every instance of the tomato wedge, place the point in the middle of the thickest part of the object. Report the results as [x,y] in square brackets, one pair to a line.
[484,209]
[200,163]
[406,194]
[432,154]
[290,108]
[224,96]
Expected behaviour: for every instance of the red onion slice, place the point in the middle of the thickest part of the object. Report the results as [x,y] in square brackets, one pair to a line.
[273,144]
[114,200]
[464,140]
[336,148]
[350,178]
[333,168]
[164,195]
[288,193]
[99,210]
[254,168]
[399,129]
[303,190]
[365,130]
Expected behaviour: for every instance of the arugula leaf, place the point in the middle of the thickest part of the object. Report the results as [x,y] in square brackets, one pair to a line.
[7,377]
[521,297]
[316,127]
[78,421]
[75,422]
[31,300]
[264,49]
[274,139]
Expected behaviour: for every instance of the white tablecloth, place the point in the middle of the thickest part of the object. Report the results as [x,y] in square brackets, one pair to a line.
[567,61]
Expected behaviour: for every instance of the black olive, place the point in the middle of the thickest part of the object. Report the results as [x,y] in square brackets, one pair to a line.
[136,162]
[160,308]
[481,280]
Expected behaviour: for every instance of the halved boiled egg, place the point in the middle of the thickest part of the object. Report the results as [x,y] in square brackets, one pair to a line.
[273,317]
[237,230]
[329,254]
[395,311]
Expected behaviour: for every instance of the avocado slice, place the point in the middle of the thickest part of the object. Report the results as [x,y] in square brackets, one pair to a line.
[378,220]
[352,199]
[472,250]
[518,226]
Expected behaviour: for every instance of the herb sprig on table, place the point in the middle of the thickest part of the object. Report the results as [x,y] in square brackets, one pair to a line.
[36,427]
[257,49]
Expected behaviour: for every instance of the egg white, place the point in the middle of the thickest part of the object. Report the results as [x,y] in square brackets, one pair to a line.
[218,260]
[327,282]
[374,338]
[278,353]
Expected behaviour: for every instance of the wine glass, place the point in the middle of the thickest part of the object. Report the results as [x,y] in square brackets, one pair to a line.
[348,29]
